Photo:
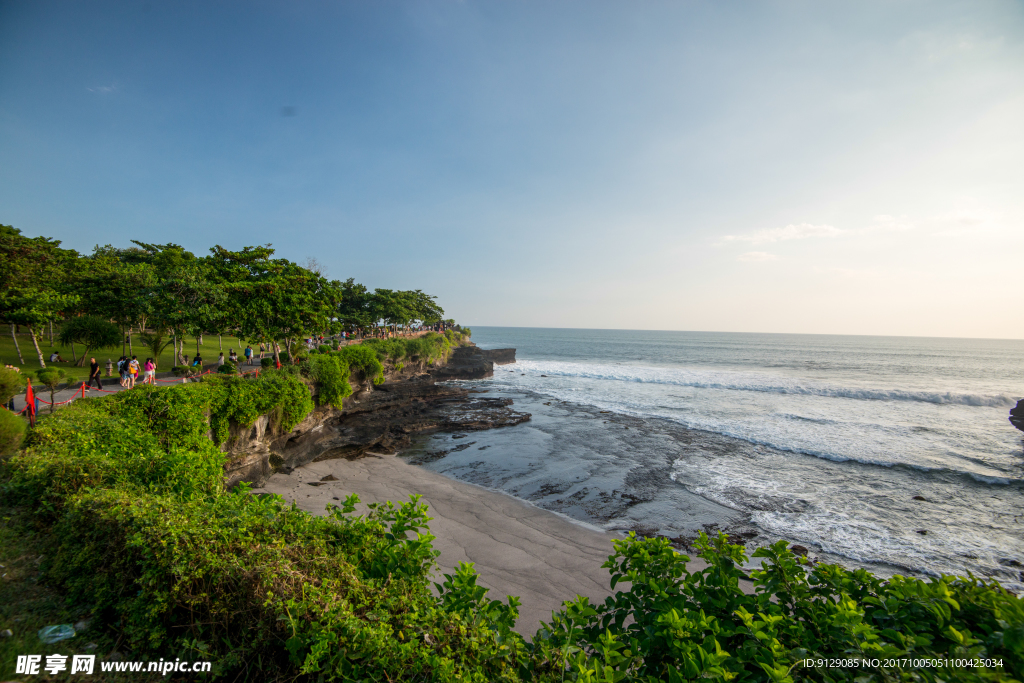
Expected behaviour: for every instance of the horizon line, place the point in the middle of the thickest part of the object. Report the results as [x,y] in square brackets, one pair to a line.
[804,334]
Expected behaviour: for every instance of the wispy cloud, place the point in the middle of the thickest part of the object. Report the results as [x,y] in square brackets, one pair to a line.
[757,256]
[103,89]
[793,231]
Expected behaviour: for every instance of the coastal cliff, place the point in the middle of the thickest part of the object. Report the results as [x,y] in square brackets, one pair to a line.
[378,417]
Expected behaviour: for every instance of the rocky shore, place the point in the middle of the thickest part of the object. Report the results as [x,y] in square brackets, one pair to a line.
[414,400]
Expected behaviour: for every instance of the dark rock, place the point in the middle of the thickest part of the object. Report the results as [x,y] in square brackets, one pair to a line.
[466,362]
[923,532]
[382,418]
[920,498]
[499,356]
[798,550]
[1017,415]
[329,477]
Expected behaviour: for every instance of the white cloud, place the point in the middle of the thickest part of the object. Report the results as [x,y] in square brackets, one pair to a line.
[792,231]
[757,256]
[885,222]
[104,89]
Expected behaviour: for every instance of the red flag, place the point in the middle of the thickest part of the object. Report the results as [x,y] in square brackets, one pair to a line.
[30,402]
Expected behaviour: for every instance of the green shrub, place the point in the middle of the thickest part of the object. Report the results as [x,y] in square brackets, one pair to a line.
[51,378]
[674,625]
[240,579]
[267,362]
[365,359]
[228,369]
[324,348]
[11,384]
[12,432]
[331,374]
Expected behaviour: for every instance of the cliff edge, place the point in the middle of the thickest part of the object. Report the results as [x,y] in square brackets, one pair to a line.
[1017,415]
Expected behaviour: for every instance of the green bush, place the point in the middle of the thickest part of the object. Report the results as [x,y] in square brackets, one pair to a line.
[228,369]
[267,362]
[674,625]
[331,374]
[12,432]
[11,384]
[365,359]
[324,348]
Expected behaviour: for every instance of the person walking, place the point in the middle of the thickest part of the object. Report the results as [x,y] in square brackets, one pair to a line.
[94,375]
[197,362]
[263,350]
[133,371]
[150,369]
[248,355]
[220,359]
[122,370]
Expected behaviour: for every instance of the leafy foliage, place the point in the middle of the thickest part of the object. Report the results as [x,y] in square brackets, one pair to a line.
[364,358]
[12,432]
[91,331]
[11,383]
[674,625]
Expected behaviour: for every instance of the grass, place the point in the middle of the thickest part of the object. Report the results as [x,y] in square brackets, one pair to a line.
[210,349]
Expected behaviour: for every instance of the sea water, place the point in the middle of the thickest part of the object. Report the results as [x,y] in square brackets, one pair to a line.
[886,452]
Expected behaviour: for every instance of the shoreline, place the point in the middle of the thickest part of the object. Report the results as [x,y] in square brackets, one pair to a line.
[518,548]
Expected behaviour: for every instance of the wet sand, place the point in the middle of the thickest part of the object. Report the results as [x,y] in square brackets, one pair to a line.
[518,549]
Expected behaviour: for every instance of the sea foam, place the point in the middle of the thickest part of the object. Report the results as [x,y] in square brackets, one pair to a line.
[747,381]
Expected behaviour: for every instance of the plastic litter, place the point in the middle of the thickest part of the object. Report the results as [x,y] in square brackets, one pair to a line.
[55,634]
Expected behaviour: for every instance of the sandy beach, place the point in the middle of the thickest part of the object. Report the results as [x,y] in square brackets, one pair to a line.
[518,549]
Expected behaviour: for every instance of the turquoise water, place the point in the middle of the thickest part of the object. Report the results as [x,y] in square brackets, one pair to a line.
[823,440]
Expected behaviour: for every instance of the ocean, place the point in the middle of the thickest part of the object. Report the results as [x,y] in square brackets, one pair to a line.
[891,453]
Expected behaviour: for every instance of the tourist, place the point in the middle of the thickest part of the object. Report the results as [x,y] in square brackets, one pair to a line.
[55,358]
[232,356]
[133,371]
[263,350]
[220,359]
[197,362]
[248,355]
[150,372]
[94,375]
[122,370]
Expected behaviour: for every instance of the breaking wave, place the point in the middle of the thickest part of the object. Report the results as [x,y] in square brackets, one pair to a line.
[737,381]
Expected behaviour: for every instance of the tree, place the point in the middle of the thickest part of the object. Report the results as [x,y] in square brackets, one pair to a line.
[354,308]
[51,378]
[156,342]
[91,331]
[116,284]
[32,273]
[274,299]
[187,295]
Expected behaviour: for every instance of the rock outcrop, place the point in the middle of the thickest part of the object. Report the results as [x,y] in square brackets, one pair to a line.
[382,417]
[466,362]
[499,356]
[1017,415]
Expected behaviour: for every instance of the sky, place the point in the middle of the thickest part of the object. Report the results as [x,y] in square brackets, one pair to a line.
[798,167]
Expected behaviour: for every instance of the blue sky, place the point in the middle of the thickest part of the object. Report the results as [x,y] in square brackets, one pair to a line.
[777,167]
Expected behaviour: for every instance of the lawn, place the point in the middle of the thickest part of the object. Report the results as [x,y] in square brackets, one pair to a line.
[209,349]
